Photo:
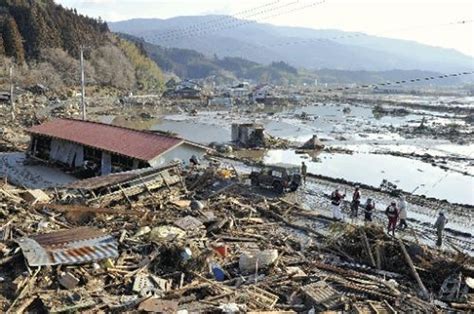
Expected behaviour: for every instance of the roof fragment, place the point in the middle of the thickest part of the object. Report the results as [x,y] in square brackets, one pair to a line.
[73,246]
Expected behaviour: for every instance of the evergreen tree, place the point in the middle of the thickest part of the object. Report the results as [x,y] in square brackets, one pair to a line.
[13,42]
[2,47]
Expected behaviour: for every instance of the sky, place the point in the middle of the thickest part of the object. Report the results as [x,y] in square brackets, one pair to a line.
[419,20]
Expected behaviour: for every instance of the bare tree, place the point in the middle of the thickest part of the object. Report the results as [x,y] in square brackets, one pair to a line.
[112,67]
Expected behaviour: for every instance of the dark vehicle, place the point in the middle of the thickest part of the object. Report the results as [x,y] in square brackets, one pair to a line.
[280,177]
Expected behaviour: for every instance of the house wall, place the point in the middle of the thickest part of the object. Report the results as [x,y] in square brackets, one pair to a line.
[235,132]
[182,153]
[66,152]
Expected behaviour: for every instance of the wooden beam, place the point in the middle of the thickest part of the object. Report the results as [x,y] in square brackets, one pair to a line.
[414,273]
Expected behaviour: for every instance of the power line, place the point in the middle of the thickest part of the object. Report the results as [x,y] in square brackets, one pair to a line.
[221,26]
[228,24]
[355,35]
[239,22]
[397,83]
[219,19]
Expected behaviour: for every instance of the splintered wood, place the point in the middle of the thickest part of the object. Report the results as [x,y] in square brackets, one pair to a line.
[209,249]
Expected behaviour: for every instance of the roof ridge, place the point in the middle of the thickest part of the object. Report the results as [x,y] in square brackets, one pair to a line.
[120,127]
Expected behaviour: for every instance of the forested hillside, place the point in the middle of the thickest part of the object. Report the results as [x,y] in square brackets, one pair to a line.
[188,63]
[44,40]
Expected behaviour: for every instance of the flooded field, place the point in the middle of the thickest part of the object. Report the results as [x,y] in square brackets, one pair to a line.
[379,150]
[410,175]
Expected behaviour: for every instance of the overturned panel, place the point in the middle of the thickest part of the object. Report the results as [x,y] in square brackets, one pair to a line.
[73,246]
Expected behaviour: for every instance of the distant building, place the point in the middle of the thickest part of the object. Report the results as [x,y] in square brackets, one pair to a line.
[183,89]
[102,149]
[240,91]
[261,92]
[248,134]
[225,101]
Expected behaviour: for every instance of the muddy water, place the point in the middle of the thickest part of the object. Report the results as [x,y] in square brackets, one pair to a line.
[371,169]
[358,130]
[327,120]
[196,132]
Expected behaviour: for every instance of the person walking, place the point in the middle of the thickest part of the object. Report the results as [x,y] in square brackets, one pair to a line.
[355,202]
[304,171]
[336,199]
[392,214]
[439,225]
[369,209]
[402,212]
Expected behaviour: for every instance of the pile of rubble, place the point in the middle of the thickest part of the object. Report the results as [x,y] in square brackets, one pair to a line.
[168,240]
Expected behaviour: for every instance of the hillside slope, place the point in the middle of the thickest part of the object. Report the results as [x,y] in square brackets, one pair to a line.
[300,47]
[45,39]
[187,63]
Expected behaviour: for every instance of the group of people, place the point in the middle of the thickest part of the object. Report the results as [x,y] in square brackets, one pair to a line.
[337,197]
[396,212]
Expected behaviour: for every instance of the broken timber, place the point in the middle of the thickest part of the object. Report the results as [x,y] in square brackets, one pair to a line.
[424,291]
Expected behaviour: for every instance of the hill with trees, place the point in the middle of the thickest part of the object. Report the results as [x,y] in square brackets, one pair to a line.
[44,39]
[187,63]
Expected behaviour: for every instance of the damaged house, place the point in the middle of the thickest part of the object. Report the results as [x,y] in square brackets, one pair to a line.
[185,89]
[101,149]
[248,135]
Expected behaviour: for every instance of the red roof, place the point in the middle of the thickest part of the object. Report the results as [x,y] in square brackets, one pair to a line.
[128,142]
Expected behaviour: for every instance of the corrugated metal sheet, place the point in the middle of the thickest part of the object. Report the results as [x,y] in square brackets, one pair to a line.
[128,142]
[72,246]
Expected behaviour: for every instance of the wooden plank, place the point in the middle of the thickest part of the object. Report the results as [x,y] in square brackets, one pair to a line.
[414,273]
[367,248]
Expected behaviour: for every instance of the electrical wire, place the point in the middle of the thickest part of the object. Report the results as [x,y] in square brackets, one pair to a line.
[225,24]
[199,26]
[239,22]
[396,83]
[356,35]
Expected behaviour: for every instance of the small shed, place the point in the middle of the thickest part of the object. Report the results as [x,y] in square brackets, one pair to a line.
[102,148]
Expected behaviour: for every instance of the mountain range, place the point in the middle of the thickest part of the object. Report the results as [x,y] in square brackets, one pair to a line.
[190,64]
[300,47]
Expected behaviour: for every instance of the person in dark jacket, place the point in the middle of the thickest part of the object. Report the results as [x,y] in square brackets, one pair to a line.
[439,225]
[336,199]
[304,171]
[392,214]
[369,209]
[355,202]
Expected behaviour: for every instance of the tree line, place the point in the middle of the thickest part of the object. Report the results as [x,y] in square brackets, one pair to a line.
[44,39]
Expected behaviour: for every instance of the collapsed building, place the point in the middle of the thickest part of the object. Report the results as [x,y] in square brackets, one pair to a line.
[185,89]
[248,134]
[100,149]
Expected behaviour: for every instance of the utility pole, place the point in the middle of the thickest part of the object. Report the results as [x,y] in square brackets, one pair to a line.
[12,87]
[83,88]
